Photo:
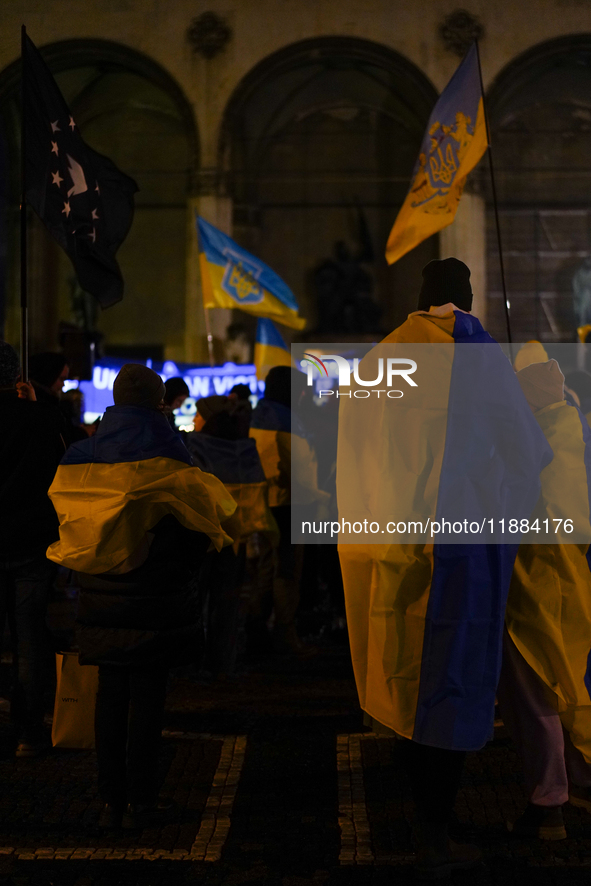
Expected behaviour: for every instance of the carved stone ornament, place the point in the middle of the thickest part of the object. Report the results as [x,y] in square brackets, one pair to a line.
[208,34]
[459,29]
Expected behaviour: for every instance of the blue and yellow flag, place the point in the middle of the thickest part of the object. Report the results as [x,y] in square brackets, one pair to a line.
[269,348]
[425,620]
[238,465]
[233,278]
[549,606]
[113,488]
[453,144]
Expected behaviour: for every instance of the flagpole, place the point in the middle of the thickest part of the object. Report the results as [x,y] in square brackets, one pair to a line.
[205,310]
[495,201]
[23,225]
[209,336]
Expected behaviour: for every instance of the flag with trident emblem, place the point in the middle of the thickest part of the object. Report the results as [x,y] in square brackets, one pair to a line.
[453,144]
[233,278]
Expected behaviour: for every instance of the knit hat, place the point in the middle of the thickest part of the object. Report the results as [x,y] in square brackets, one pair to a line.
[542,384]
[136,385]
[46,368]
[10,367]
[207,407]
[446,280]
[532,352]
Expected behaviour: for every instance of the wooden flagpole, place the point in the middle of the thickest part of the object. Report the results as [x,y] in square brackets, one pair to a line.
[495,202]
[23,225]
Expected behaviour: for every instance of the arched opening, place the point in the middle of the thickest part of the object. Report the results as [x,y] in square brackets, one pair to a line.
[128,108]
[318,146]
[540,110]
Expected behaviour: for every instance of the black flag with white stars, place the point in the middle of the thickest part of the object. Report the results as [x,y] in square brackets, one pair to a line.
[85,202]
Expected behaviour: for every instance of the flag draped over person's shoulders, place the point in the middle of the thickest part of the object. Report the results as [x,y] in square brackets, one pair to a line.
[113,488]
[426,618]
[233,278]
[269,348]
[549,606]
[237,464]
[85,202]
[454,142]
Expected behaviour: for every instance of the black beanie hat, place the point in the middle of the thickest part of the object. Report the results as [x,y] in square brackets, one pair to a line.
[138,385]
[446,280]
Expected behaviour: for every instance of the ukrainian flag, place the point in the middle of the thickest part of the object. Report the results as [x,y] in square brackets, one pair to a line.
[269,348]
[237,464]
[114,487]
[426,619]
[549,607]
[453,144]
[233,278]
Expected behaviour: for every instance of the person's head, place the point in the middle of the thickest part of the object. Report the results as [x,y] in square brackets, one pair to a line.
[137,385]
[209,407]
[240,392]
[531,352]
[9,366]
[176,392]
[446,280]
[281,381]
[542,384]
[50,370]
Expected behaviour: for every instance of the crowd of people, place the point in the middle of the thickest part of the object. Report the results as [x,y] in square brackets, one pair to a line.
[161,531]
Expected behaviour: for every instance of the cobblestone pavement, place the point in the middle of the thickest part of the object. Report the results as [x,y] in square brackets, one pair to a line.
[276,784]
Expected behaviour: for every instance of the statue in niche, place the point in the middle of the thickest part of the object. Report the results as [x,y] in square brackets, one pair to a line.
[344,289]
[582,292]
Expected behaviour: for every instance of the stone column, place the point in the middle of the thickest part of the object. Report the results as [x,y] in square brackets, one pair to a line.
[217,210]
[465,239]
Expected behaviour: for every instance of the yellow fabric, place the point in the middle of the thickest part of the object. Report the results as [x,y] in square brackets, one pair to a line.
[549,607]
[426,209]
[268,356]
[290,466]
[105,509]
[215,296]
[252,513]
[531,352]
[274,448]
[386,594]
[387,586]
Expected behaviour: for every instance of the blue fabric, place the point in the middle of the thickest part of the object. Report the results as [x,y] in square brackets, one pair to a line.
[129,433]
[491,436]
[269,415]
[219,249]
[231,461]
[268,334]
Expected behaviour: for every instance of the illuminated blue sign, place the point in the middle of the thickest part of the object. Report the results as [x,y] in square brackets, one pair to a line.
[202,381]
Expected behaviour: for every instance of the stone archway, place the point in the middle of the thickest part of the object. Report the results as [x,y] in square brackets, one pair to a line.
[130,109]
[317,146]
[540,113]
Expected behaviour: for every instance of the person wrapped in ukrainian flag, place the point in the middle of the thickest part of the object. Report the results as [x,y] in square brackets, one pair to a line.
[220,445]
[425,620]
[136,520]
[544,687]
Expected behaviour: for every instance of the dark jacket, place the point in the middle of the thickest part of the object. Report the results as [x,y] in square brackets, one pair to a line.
[70,432]
[30,450]
[152,614]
